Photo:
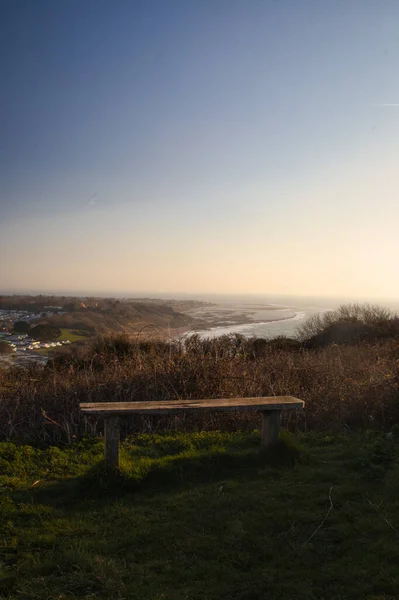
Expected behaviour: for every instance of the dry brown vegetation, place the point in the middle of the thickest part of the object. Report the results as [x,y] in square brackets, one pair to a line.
[346,386]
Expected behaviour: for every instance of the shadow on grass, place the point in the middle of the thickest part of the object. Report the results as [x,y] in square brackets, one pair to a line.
[194,466]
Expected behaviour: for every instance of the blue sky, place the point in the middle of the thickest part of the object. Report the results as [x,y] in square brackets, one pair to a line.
[199,146]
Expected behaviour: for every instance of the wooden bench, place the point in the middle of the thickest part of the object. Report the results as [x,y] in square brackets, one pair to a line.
[270,409]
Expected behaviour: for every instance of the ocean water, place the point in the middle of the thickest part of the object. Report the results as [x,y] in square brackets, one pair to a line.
[287,315]
[265,329]
[281,320]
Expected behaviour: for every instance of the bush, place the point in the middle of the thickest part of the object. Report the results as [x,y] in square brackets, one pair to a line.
[44,332]
[122,346]
[351,323]
[5,348]
[260,346]
[21,327]
[343,387]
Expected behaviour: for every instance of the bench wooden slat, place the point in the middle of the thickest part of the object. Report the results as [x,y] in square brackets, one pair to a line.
[205,405]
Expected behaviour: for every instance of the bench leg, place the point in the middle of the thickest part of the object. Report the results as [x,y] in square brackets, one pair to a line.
[270,427]
[111,430]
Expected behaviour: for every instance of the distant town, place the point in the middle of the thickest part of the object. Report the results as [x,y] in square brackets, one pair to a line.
[34,328]
[23,348]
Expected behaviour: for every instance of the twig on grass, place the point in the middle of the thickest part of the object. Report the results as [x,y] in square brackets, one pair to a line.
[385,519]
[372,503]
[325,518]
[390,525]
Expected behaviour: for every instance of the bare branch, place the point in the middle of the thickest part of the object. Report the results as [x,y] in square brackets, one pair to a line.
[391,526]
[325,518]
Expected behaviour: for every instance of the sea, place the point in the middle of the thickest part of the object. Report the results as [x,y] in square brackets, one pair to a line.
[286,314]
[284,321]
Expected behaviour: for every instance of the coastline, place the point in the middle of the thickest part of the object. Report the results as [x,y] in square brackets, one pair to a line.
[246,318]
[226,328]
[249,322]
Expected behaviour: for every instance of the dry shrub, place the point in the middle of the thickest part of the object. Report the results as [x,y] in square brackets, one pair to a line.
[375,320]
[343,386]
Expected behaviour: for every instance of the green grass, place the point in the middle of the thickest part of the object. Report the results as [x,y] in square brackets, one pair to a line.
[44,351]
[73,335]
[202,516]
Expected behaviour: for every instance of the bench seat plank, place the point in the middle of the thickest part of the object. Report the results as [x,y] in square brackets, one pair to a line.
[206,405]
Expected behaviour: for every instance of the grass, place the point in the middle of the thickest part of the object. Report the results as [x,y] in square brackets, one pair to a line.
[44,351]
[202,516]
[73,335]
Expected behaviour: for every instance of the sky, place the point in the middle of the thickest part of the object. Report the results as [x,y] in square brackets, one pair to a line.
[202,146]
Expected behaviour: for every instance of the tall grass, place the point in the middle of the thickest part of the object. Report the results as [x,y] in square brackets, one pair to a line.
[344,387]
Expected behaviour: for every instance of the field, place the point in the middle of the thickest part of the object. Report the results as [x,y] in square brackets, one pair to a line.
[203,516]
[73,335]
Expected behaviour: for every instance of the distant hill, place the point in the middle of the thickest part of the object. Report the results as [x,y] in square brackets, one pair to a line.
[95,315]
[120,318]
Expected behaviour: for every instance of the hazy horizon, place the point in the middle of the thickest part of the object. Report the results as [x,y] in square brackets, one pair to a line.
[233,297]
[238,147]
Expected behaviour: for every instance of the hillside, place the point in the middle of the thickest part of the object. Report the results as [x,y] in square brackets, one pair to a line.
[99,316]
[121,318]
